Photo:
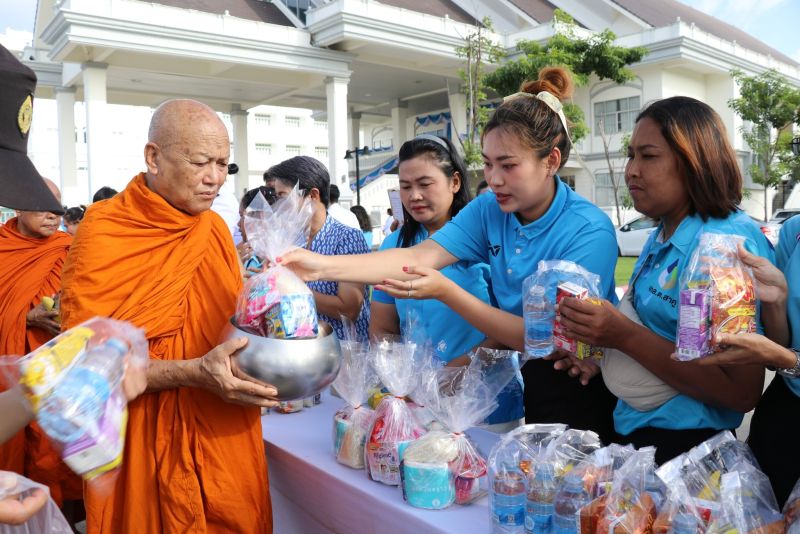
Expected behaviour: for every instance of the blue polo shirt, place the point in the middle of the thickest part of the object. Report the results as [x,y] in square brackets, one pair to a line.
[655,298]
[788,256]
[571,229]
[450,335]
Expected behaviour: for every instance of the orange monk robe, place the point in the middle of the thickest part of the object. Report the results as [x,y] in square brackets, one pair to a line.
[193,463]
[30,268]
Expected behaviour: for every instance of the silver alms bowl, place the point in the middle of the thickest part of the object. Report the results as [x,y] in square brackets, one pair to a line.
[298,368]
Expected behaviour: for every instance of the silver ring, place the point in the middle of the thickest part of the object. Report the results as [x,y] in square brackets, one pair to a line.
[410,285]
[409,293]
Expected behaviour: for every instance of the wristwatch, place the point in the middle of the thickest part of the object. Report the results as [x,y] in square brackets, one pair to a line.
[792,372]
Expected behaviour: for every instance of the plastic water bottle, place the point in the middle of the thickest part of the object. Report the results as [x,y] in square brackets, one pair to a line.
[542,492]
[567,505]
[539,317]
[684,523]
[78,402]
[508,499]
[656,489]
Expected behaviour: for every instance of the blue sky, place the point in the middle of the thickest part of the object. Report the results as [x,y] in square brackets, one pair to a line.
[772,21]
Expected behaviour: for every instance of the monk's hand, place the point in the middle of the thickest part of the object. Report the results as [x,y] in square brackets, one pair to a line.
[16,509]
[134,379]
[40,317]
[429,284]
[600,325]
[771,287]
[583,370]
[749,349]
[218,374]
[309,266]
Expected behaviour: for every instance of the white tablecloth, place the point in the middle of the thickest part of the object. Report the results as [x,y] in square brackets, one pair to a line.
[312,492]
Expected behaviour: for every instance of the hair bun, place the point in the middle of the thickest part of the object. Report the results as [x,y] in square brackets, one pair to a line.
[555,80]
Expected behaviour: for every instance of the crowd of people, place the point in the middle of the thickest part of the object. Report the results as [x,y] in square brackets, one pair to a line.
[156,255]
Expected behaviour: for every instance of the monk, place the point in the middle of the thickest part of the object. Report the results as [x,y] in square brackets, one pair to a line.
[155,255]
[32,255]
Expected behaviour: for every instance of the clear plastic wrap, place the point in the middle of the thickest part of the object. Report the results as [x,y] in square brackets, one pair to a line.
[444,466]
[351,423]
[519,483]
[49,519]
[791,511]
[276,303]
[681,513]
[542,291]
[74,386]
[393,425]
[717,296]
[748,504]
[629,507]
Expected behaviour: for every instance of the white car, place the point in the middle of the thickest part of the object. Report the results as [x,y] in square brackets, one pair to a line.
[632,236]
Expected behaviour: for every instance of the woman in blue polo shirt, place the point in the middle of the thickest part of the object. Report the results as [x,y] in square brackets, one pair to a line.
[531,215]
[681,170]
[433,191]
[774,429]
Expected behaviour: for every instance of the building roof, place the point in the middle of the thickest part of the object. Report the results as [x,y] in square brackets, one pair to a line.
[539,10]
[660,13]
[438,8]
[257,10]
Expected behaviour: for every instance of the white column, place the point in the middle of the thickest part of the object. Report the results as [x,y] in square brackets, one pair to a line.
[336,91]
[355,141]
[240,149]
[458,114]
[399,124]
[97,131]
[67,159]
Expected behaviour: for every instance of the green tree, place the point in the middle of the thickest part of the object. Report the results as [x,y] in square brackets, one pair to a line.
[770,105]
[478,51]
[583,56]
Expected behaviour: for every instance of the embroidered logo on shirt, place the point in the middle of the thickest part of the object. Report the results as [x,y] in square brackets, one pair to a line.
[494,250]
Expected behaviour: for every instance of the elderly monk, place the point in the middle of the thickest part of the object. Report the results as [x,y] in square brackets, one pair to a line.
[155,255]
[32,254]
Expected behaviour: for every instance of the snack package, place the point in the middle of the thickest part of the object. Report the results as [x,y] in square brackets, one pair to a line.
[628,507]
[717,296]
[276,303]
[351,423]
[748,504]
[74,385]
[542,291]
[49,519]
[444,466]
[393,425]
[791,511]
[520,491]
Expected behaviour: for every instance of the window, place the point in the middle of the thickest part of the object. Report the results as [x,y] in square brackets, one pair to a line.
[292,122]
[264,148]
[292,150]
[321,152]
[604,191]
[263,119]
[322,125]
[616,115]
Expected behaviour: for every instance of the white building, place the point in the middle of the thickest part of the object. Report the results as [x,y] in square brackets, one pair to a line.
[376,73]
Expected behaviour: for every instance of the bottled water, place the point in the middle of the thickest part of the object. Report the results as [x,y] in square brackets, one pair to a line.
[656,489]
[508,499]
[539,512]
[567,504]
[78,402]
[684,523]
[539,317]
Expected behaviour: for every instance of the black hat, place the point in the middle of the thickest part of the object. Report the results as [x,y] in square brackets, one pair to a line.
[21,185]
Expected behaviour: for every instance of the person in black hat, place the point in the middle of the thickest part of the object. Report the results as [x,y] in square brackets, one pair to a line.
[21,185]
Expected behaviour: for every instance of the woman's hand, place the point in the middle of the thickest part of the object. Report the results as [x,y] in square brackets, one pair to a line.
[771,287]
[309,266]
[430,284]
[16,511]
[583,370]
[40,317]
[601,325]
[245,251]
[749,349]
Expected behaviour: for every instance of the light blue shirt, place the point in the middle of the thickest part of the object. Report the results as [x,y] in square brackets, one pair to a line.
[655,298]
[788,256]
[571,229]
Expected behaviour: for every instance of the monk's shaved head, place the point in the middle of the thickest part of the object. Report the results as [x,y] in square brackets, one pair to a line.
[187,155]
[53,188]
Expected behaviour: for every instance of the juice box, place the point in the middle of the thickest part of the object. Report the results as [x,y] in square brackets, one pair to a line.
[560,339]
[694,324]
